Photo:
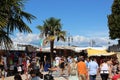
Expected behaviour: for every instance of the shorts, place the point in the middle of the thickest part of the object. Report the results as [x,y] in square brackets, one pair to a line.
[82,77]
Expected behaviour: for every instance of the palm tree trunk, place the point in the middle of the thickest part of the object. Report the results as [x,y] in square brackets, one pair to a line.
[51,50]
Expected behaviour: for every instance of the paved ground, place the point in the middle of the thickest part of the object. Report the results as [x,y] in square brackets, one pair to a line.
[56,78]
[55,74]
[24,77]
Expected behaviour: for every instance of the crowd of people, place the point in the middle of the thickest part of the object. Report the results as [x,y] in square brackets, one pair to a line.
[81,68]
[74,67]
[18,63]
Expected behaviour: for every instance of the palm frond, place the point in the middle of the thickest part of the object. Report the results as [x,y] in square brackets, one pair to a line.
[21,26]
[52,29]
[5,40]
[61,36]
[27,16]
[14,24]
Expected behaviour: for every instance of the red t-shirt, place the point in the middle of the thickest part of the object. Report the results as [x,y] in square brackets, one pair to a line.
[116,77]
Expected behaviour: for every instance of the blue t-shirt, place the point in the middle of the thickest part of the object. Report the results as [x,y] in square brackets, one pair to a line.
[36,78]
[93,67]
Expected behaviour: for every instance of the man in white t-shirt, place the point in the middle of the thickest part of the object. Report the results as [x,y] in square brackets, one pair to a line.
[69,59]
[57,60]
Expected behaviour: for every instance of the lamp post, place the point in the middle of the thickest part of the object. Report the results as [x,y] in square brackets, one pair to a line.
[92,43]
[70,39]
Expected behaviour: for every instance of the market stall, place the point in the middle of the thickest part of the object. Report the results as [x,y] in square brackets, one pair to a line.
[95,52]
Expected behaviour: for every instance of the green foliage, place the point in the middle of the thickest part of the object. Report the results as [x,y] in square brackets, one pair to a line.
[114,21]
[52,27]
[12,17]
[5,40]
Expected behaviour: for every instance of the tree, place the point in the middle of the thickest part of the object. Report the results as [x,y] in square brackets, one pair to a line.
[2,15]
[51,30]
[5,40]
[15,16]
[11,12]
[114,21]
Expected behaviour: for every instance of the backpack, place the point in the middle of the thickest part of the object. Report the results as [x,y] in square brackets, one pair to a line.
[73,69]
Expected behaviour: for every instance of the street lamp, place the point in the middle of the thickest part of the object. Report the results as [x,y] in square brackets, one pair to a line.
[70,39]
[92,43]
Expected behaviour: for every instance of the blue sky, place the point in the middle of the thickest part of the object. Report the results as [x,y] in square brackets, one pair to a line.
[79,17]
[84,19]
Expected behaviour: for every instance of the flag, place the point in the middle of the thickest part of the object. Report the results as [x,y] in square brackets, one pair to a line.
[41,42]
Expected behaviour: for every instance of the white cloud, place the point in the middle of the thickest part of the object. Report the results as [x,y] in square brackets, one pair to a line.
[77,40]
[25,38]
[80,39]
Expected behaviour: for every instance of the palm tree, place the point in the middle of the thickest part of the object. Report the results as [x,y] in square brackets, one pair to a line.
[2,14]
[51,30]
[13,16]
[5,40]
[2,19]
